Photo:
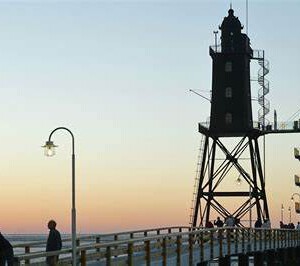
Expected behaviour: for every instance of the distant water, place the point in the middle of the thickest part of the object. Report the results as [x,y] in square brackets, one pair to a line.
[16,239]
[22,238]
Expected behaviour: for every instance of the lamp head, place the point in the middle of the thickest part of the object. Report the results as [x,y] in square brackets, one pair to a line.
[49,148]
[238,181]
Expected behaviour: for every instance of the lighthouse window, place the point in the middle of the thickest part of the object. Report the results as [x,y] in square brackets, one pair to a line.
[228,66]
[228,92]
[228,118]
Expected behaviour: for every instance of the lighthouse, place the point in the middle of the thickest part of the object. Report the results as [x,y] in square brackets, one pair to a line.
[230,117]
[231,111]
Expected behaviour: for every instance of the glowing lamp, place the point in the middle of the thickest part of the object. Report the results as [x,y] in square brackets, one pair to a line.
[238,181]
[49,148]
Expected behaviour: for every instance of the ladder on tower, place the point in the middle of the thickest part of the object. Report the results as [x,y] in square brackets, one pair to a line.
[197,178]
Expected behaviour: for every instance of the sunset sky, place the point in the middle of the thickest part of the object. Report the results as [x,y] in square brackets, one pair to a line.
[117,73]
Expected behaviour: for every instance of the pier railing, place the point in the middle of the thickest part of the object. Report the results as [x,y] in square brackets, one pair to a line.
[174,248]
[28,248]
[279,126]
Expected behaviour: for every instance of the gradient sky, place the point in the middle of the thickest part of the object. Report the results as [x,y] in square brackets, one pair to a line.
[117,73]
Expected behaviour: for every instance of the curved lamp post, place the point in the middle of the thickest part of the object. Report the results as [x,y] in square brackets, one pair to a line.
[282,209]
[292,197]
[50,151]
[297,204]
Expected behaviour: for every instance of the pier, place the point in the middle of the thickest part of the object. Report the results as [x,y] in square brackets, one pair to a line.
[177,246]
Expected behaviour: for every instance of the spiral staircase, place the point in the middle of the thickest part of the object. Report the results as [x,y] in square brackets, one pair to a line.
[264,89]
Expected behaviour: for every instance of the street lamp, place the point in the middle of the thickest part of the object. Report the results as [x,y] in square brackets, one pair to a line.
[297,180]
[292,197]
[297,204]
[50,151]
[297,153]
[282,209]
[290,216]
[238,180]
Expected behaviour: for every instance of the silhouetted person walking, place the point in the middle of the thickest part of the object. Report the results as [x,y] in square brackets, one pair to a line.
[6,252]
[53,243]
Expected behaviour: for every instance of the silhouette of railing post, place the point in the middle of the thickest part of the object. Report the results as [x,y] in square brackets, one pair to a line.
[211,241]
[98,249]
[201,247]
[286,239]
[236,239]
[83,257]
[228,235]
[27,251]
[260,239]
[249,240]
[191,245]
[220,236]
[243,240]
[147,252]
[178,250]
[108,256]
[169,232]
[130,254]
[265,239]
[158,233]
[255,240]
[77,245]
[273,238]
[116,239]
[164,252]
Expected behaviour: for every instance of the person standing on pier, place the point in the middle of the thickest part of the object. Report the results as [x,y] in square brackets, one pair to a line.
[6,252]
[258,223]
[218,222]
[53,243]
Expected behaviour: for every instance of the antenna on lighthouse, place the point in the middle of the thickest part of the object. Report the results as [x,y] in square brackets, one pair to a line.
[247,17]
